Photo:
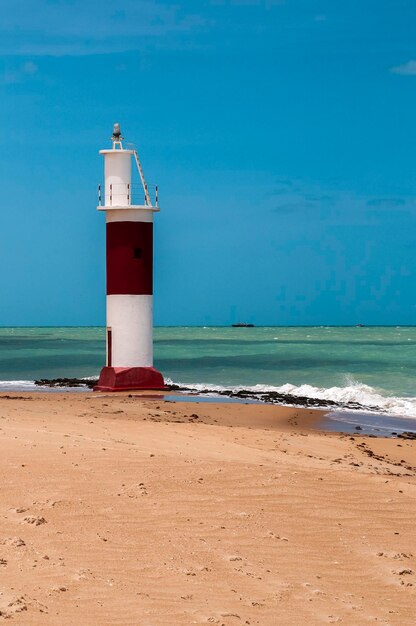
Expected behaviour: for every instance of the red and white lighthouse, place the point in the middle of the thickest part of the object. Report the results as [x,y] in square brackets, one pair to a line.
[129,248]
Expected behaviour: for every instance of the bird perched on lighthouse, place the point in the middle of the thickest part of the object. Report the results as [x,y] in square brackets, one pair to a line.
[129,211]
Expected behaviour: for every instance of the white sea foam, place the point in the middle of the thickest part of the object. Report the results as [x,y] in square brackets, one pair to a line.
[29,385]
[17,385]
[354,392]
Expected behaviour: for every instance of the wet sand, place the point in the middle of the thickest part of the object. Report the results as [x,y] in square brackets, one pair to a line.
[129,511]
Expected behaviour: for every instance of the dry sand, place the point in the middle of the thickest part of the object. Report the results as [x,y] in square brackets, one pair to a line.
[118,510]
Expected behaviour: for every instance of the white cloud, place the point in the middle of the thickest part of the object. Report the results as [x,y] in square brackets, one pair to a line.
[78,27]
[19,74]
[29,68]
[407,69]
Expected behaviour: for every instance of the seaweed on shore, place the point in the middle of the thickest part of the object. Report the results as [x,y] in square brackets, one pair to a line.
[66,382]
[407,434]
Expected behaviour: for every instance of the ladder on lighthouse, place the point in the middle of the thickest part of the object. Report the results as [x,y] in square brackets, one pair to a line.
[139,167]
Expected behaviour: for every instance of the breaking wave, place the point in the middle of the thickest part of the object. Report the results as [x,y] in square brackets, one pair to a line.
[354,393]
[18,385]
[29,385]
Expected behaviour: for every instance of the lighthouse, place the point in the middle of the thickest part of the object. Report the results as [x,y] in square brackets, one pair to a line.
[129,211]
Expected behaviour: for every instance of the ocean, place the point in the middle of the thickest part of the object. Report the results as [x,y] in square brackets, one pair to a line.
[373,366]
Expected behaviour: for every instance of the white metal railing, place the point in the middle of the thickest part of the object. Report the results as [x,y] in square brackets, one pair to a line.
[128,194]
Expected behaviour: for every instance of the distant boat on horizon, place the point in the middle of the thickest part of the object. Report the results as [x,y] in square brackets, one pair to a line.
[242,325]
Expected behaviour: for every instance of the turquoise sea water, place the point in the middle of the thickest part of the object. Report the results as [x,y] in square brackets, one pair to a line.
[372,365]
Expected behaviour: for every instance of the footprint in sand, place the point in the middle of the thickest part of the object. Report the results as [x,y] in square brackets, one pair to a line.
[15,606]
[36,520]
[15,542]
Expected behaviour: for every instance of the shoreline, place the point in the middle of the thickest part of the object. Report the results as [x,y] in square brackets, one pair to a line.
[310,419]
[269,397]
[349,417]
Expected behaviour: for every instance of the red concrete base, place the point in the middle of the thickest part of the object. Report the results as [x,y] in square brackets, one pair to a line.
[129,378]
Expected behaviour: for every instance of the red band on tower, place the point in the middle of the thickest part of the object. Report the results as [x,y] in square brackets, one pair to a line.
[129,258]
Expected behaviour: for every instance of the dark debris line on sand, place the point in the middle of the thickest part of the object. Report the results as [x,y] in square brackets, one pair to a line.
[407,434]
[271,397]
[274,397]
[66,382]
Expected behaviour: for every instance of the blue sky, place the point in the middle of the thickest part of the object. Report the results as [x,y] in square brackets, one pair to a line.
[281,133]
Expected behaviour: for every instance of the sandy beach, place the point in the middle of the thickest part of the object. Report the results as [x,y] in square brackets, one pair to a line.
[122,510]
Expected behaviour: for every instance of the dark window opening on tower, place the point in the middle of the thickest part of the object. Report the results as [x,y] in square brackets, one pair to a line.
[109,347]
[137,253]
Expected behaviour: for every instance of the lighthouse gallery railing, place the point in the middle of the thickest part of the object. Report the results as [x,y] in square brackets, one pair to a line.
[121,194]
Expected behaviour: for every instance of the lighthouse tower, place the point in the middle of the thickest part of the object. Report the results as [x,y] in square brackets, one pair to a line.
[129,249]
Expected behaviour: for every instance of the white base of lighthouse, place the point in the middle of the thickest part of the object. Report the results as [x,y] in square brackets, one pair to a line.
[129,345]
[129,328]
